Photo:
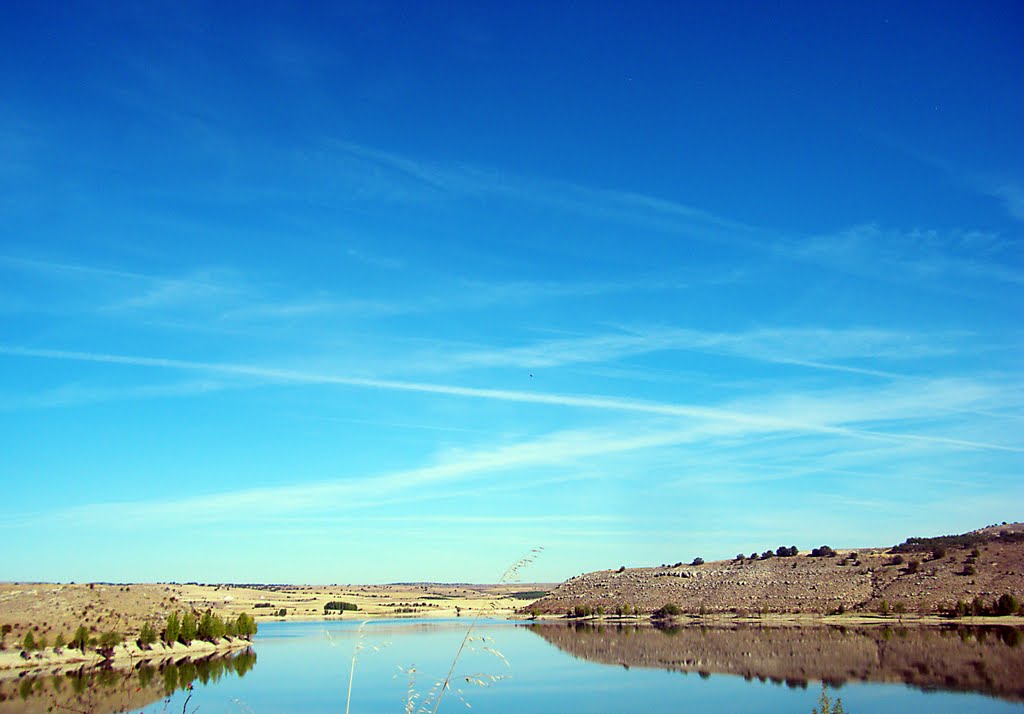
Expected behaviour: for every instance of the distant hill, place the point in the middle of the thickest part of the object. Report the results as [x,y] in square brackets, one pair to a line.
[920,575]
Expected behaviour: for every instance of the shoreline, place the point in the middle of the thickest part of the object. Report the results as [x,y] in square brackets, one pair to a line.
[125,655]
[795,619]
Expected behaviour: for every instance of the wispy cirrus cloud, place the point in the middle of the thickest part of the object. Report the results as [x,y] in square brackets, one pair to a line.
[232,298]
[205,288]
[942,259]
[1012,196]
[73,395]
[816,348]
[761,420]
[461,179]
[352,494]
[866,249]
[118,290]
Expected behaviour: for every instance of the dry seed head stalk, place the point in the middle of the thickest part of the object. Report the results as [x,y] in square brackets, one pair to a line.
[507,577]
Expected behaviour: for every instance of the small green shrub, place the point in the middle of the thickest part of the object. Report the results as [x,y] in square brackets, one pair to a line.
[172,630]
[81,639]
[147,636]
[1006,605]
[189,629]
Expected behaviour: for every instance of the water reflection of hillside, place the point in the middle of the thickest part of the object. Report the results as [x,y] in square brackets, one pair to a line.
[107,690]
[986,660]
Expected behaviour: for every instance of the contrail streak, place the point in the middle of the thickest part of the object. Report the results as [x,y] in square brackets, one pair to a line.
[563,400]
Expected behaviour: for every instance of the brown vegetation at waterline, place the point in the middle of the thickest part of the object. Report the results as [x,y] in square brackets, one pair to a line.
[966,574]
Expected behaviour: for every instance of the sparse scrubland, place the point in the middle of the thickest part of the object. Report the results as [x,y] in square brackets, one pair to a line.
[974,574]
[46,623]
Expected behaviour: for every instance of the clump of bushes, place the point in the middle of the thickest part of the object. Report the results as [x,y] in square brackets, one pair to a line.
[107,642]
[668,610]
[582,611]
[823,552]
[1006,604]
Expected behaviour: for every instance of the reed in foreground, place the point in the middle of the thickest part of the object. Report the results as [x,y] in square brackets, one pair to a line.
[432,700]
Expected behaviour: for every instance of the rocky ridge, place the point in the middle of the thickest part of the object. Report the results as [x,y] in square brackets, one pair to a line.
[984,564]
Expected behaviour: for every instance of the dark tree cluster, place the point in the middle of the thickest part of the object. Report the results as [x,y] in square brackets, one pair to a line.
[340,606]
[938,545]
[1002,606]
[208,626]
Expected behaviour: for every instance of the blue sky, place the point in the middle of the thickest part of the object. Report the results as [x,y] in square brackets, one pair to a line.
[376,292]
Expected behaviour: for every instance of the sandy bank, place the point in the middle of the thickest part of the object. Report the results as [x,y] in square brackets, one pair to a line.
[125,655]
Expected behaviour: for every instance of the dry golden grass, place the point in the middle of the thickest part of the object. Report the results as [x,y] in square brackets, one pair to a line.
[49,609]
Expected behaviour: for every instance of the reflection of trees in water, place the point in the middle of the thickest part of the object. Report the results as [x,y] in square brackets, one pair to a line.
[99,689]
[986,659]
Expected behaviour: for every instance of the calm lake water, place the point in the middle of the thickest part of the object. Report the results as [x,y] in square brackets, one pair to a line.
[304,667]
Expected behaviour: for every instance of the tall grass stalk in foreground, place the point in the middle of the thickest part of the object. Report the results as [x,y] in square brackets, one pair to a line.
[509,576]
[827,707]
[352,669]
[437,692]
[359,647]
